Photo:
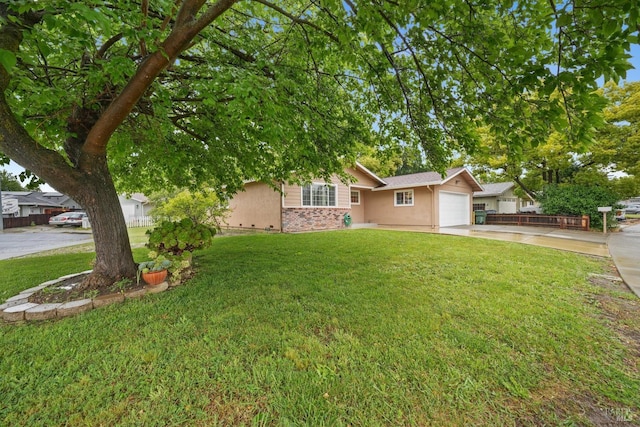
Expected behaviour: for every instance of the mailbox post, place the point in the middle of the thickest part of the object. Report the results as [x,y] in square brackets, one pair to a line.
[604,210]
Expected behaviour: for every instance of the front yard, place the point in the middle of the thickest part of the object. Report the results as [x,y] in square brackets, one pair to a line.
[360,327]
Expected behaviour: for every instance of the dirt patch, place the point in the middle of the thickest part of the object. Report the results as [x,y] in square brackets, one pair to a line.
[236,410]
[69,290]
[619,309]
[622,313]
[75,288]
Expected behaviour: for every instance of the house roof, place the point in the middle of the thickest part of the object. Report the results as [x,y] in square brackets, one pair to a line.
[138,197]
[30,198]
[424,179]
[371,174]
[495,189]
[56,197]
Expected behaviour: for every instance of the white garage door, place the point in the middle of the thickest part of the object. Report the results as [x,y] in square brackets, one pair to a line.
[454,209]
[507,206]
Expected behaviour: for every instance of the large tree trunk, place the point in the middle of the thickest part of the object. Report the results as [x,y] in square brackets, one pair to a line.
[92,187]
[99,198]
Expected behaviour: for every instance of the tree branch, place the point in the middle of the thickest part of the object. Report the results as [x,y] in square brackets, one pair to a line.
[297,19]
[176,123]
[418,65]
[183,32]
[144,5]
[103,49]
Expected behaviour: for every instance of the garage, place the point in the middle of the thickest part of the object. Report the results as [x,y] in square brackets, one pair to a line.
[507,205]
[454,209]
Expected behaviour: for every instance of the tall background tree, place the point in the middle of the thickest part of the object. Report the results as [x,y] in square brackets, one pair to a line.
[9,182]
[611,160]
[144,94]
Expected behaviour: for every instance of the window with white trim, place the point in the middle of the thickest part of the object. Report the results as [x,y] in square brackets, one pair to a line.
[319,195]
[403,198]
[355,197]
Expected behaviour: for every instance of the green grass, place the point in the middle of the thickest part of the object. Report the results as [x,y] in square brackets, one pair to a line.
[362,327]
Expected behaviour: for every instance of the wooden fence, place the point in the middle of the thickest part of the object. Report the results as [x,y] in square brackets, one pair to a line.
[41,219]
[559,221]
[26,221]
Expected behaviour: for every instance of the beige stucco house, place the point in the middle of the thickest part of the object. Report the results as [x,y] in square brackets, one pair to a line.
[422,199]
[499,197]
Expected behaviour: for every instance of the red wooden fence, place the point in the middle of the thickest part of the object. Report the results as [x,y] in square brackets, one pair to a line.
[25,221]
[559,221]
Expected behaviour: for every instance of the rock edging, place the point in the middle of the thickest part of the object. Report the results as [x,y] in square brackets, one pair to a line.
[18,308]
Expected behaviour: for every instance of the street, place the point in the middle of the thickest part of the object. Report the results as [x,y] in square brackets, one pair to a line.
[15,242]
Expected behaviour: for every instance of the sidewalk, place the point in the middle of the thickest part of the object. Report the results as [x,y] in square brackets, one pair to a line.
[590,243]
[625,251]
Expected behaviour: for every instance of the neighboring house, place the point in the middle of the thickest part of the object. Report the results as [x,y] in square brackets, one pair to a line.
[25,203]
[499,197]
[134,206]
[422,199]
[63,200]
[29,203]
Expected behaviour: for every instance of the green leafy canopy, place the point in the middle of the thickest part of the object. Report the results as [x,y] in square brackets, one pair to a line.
[275,89]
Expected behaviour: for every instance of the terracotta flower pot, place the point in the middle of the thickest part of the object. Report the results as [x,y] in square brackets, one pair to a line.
[154,277]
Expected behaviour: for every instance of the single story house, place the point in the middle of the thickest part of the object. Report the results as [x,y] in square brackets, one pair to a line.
[499,197]
[27,203]
[421,199]
[134,206]
[63,200]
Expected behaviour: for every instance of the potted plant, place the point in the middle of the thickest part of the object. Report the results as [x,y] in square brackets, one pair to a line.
[178,240]
[154,271]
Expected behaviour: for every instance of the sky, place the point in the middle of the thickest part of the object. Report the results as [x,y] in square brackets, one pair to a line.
[632,76]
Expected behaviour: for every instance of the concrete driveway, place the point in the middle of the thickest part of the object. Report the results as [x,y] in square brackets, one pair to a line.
[15,242]
[590,243]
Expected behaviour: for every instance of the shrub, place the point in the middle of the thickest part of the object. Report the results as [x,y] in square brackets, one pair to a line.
[202,207]
[176,238]
[572,199]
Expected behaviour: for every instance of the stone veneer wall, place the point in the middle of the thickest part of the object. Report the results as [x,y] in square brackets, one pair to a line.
[308,219]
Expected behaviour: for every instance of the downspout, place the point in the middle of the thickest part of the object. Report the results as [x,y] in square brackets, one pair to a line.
[433,207]
[281,205]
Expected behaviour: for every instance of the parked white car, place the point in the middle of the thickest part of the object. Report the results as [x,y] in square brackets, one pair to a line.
[632,209]
[531,209]
[68,218]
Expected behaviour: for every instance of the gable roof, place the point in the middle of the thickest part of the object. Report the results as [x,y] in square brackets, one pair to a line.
[136,197]
[371,174]
[30,198]
[424,179]
[495,189]
[56,197]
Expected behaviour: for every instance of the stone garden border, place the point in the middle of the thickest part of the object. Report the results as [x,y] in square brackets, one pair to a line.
[18,308]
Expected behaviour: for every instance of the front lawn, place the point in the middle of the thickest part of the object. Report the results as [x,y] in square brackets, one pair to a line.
[361,327]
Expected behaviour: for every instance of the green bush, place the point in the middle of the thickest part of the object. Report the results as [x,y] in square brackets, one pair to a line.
[572,199]
[176,238]
[202,207]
